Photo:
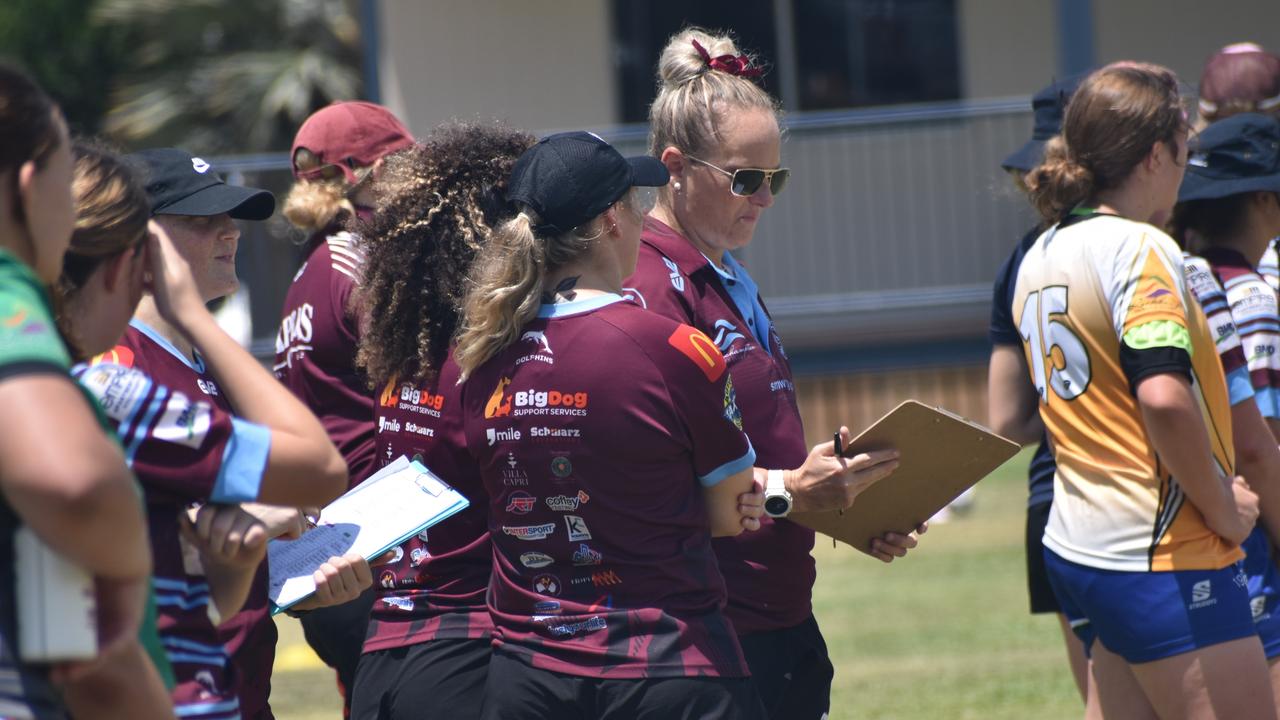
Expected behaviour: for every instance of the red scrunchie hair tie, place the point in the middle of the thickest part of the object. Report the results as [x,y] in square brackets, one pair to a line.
[739,65]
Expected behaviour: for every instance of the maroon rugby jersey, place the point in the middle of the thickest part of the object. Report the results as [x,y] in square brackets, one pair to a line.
[594,433]
[769,573]
[185,447]
[435,589]
[316,349]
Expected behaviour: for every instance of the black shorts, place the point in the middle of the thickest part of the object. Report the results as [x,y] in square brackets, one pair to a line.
[434,679]
[337,635]
[791,670]
[518,691]
[1042,598]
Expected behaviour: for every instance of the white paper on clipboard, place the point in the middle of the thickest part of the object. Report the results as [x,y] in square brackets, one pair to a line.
[393,505]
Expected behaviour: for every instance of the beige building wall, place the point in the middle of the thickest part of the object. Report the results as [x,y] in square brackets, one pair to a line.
[1007,47]
[536,65]
[1181,34]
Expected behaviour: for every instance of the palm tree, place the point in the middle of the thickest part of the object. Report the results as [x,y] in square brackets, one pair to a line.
[228,75]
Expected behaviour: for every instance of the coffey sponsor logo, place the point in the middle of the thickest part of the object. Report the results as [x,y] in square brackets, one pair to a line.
[520,503]
[567,503]
[530,532]
[535,559]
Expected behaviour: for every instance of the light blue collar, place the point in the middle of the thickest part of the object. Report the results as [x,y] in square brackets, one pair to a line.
[163,342]
[576,307]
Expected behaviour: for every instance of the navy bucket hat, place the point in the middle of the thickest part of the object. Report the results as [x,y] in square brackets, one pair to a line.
[1238,155]
[1049,106]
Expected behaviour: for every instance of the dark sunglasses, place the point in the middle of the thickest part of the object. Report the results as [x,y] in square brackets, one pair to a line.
[744,182]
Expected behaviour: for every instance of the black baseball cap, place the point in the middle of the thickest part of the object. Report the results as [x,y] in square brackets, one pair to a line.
[569,178]
[1237,155]
[1049,106]
[179,183]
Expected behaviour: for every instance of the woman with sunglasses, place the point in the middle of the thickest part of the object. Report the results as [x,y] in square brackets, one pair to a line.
[606,480]
[337,154]
[717,133]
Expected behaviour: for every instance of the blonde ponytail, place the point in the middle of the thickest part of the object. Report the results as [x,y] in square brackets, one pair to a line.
[510,276]
[313,206]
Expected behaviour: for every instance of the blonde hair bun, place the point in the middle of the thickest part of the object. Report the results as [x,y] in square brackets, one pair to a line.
[681,62]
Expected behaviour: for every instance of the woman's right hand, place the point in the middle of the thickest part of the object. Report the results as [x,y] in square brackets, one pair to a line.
[828,482]
[1246,516]
[170,281]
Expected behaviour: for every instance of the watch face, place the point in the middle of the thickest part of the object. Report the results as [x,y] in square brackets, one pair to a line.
[777,505]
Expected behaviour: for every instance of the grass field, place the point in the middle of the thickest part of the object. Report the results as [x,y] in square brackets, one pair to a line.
[943,633]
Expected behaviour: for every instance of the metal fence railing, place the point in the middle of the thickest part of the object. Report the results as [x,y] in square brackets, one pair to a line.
[890,230]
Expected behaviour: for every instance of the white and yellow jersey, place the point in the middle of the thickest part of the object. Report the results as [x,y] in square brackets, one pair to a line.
[1080,289]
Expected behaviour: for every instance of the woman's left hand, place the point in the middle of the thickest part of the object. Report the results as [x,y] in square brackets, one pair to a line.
[895,545]
[751,507]
[338,581]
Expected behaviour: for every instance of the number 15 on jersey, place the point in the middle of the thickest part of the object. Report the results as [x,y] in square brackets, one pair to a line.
[1058,356]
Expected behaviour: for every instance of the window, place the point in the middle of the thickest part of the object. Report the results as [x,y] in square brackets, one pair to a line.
[848,53]
[852,53]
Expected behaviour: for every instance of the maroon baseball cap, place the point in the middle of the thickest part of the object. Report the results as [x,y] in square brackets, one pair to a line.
[1239,78]
[350,135]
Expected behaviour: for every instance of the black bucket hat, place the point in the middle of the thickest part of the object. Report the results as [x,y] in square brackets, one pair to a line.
[1049,106]
[179,183]
[571,177]
[1238,155]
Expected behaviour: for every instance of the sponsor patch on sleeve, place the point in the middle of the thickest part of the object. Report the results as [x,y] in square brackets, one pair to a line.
[119,390]
[184,422]
[1155,296]
[700,349]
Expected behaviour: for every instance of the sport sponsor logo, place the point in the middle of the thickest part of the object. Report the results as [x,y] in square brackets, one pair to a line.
[399,603]
[700,349]
[387,579]
[577,528]
[546,584]
[604,578]
[417,556]
[584,555]
[530,532]
[567,503]
[677,279]
[405,396]
[520,502]
[386,424]
[731,412]
[536,560]
[1202,595]
[783,385]
[294,336]
[512,475]
[416,429]
[184,422]
[549,433]
[561,466]
[588,625]
[726,334]
[118,355]
[494,436]
[499,404]
[119,390]
[543,353]
[549,402]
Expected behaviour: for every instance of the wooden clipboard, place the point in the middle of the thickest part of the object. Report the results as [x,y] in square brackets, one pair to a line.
[941,456]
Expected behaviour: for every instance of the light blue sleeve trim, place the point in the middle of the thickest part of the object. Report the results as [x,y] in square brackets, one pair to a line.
[733,467]
[1268,402]
[1239,386]
[243,462]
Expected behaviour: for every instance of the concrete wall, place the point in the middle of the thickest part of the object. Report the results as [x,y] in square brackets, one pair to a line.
[536,65]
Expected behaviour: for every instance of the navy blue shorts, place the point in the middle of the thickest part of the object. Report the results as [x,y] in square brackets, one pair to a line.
[1146,616]
[1264,590]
